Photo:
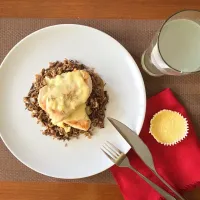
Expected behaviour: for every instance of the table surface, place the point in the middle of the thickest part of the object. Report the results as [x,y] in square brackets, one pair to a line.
[121,9]
[124,9]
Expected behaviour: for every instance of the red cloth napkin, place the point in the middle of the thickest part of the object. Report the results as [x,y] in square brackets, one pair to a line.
[179,165]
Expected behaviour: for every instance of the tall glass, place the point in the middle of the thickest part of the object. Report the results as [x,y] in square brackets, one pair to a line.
[175,49]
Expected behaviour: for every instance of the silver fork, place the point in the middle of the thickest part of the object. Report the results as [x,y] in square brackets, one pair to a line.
[121,160]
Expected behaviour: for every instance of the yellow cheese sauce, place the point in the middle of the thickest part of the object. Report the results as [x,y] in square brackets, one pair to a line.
[64,99]
[78,115]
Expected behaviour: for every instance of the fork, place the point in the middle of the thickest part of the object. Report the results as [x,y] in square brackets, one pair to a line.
[121,160]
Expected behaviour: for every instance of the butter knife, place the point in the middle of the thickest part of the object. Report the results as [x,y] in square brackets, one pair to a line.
[141,149]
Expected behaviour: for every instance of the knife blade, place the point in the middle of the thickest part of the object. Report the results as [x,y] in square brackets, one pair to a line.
[135,142]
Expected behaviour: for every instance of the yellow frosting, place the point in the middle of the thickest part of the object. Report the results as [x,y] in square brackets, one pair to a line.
[168,127]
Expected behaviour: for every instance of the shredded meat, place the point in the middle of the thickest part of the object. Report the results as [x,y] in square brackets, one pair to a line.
[96,104]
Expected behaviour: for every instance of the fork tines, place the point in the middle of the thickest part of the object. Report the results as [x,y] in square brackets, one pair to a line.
[111,151]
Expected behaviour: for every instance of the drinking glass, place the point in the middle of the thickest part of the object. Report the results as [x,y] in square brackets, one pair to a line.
[175,49]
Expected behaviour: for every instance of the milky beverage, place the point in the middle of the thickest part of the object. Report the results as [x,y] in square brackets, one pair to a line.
[179,45]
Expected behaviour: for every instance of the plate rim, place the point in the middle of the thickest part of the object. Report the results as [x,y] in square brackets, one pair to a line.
[121,46]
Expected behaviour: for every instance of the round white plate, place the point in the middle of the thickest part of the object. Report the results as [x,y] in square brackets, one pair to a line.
[82,157]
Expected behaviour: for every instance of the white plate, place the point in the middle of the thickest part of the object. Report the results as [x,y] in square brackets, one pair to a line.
[21,134]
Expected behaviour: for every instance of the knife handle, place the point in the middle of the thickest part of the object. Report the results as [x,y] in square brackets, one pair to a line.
[162,192]
[169,186]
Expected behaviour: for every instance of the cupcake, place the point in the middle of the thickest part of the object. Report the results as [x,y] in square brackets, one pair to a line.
[168,127]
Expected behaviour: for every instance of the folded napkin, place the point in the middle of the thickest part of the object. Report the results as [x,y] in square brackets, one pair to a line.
[179,165]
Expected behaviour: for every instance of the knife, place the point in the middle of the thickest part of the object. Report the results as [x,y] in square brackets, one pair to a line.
[140,148]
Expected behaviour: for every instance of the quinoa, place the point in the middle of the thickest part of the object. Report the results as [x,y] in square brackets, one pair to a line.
[96,103]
